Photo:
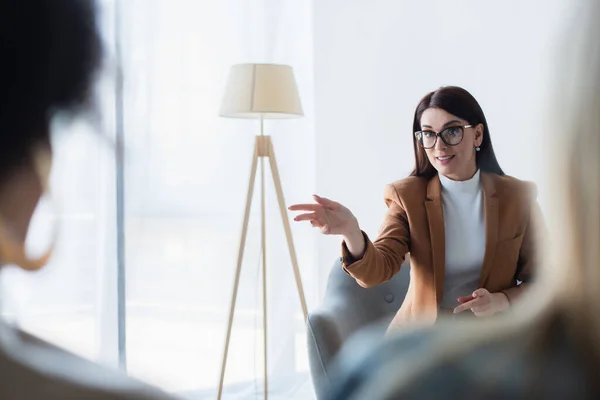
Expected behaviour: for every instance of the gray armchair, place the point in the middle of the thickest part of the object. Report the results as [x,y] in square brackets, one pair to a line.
[347,308]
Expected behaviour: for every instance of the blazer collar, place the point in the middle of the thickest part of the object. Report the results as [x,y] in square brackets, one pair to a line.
[434,188]
[435,220]
[490,206]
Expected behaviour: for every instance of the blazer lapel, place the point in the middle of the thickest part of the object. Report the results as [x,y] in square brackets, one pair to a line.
[435,219]
[490,204]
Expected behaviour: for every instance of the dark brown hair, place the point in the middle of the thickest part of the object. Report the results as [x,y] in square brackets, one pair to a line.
[50,52]
[456,101]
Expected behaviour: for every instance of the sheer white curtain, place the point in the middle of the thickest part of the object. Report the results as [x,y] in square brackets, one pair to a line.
[185,181]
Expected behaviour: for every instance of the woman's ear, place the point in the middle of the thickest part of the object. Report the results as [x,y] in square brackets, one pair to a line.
[479,134]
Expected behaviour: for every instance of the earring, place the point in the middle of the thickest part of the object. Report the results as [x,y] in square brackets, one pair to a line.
[477,148]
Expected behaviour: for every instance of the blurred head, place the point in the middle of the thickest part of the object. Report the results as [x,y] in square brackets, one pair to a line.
[50,53]
[451,136]
[574,170]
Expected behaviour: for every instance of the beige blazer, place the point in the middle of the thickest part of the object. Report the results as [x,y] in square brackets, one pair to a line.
[414,224]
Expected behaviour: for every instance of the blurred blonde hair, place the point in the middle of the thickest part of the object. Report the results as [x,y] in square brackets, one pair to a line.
[572,272]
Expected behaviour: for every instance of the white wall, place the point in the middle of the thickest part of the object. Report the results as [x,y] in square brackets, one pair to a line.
[374,61]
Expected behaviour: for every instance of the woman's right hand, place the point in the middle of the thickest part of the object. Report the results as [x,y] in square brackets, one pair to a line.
[329,216]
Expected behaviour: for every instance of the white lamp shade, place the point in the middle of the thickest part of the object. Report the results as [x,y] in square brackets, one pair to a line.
[266,90]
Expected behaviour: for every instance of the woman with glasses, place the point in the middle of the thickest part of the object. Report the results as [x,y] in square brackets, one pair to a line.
[470,229]
[548,347]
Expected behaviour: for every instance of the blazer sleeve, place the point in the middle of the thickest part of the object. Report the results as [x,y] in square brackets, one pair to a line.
[530,254]
[383,257]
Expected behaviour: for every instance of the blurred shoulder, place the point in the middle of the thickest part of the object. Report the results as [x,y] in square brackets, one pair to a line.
[33,368]
[464,362]
[366,358]
[419,365]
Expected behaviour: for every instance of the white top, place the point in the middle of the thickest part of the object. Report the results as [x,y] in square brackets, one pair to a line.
[464,227]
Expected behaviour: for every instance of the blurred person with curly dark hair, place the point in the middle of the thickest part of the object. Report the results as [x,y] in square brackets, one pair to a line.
[50,53]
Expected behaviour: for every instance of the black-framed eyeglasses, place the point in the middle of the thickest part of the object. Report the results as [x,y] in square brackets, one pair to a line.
[452,136]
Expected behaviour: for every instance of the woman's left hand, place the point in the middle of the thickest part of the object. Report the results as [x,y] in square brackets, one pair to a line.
[483,303]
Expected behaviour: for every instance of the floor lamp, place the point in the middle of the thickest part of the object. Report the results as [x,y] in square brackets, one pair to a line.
[261,91]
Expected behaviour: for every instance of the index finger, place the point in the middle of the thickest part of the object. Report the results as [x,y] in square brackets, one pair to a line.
[304,207]
[324,201]
[465,306]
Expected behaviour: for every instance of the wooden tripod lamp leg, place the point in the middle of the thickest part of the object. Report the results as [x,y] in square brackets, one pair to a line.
[286,226]
[238,269]
[264,273]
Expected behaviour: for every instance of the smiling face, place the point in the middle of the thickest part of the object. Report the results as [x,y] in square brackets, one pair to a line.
[456,162]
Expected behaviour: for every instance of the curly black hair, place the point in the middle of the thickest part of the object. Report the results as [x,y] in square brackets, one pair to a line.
[50,51]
